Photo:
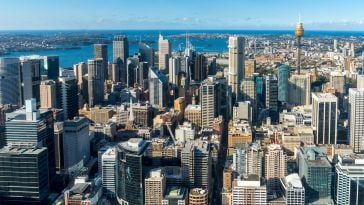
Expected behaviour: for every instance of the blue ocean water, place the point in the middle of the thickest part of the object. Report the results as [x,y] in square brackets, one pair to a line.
[68,57]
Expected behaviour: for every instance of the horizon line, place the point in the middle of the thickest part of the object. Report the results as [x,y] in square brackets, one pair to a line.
[181,29]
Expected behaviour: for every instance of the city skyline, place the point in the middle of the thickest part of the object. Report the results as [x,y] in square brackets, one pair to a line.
[161,14]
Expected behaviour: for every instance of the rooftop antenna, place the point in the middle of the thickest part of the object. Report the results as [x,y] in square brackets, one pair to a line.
[299,17]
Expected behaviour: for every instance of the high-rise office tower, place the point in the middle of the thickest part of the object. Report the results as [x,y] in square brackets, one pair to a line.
[164,52]
[146,53]
[10,86]
[114,72]
[236,65]
[100,51]
[67,92]
[198,196]
[130,186]
[299,32]
[196,165]
[324,118]
[174,69]
[121,54]
[350,179]
[299,92]
[283,75]
[338,82]
[275,166]
[249,93]
[293,190]
[120,48]
[250,66]
[108,164]
[271,93]
[158,88]
[24,175]
[141,77]
[48,94]
[50,69]
[80,70]
[155,187]
[214,98]
[200,71]
[250,190]
[95,82]
[132,64]
[58,146]
[315,172]
[76,142]
[30,69]
[31,127]
[356,119]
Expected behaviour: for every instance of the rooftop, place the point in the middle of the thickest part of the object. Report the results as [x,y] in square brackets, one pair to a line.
[134,145]
[175,192]
[21,150]
[294,180]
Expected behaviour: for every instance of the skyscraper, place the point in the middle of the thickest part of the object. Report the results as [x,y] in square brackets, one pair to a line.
[67,91]
[214,100]
[200,70]
[271,93]
[10,87]
[196,165]
[109,169]
[356,119]
[164,52]
[121,52]
[324,118]
[350,179]
[146,53]
[30,69]
[299,32]
[299,89]
[250,66]
[174,69]
[236,65]
[158,88]
[283,75]
[130,187]
[34,128]
[155,187]
[315,172]
[51,68]
[95,82]
[24,175]
[76,142]
[275,166]
[48,94]
[100,51]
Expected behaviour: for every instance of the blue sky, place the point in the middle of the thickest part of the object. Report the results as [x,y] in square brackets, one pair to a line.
[181,14]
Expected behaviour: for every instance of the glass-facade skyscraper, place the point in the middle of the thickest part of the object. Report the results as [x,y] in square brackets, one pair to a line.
[283,75]
[130,171]
[24,175]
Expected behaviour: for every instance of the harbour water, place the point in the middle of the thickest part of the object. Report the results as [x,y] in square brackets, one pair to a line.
[214,43]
